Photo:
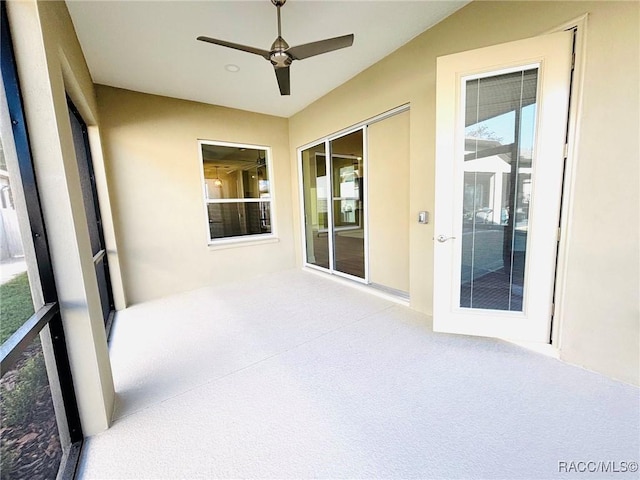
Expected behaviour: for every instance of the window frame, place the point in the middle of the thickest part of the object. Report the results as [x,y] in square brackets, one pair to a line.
[239,239]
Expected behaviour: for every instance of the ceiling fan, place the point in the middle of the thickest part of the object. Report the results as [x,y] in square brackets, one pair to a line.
[281,55]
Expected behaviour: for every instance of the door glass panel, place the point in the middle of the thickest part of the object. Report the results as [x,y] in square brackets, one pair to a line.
[315,186]
[500,118]
[348,192]
[90,200]
[87,183]
[102,276]
[30,442]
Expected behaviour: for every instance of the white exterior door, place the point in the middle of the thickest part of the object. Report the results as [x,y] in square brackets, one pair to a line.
[501,134]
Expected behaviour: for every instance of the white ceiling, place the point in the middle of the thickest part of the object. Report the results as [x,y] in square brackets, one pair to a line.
[150,46]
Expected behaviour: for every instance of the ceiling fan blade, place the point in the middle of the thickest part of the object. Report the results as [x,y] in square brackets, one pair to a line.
[322,46]
[257,51]
[282,74]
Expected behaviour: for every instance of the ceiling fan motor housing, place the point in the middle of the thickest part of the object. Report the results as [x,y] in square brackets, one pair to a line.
[279,57]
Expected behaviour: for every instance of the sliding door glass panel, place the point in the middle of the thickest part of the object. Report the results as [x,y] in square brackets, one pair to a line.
[347,179]
[500,120]
[315,186]
[388,222]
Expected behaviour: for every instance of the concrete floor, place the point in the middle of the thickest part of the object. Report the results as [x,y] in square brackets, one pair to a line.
[11,268]
[296,376]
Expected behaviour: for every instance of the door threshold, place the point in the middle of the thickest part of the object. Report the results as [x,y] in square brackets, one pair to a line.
[543,348]
[368,288]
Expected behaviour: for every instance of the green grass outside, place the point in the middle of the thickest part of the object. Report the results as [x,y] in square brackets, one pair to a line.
[16,305]
[25,400]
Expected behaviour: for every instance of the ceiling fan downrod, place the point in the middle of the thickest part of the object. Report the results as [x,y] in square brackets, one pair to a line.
[279,57]
[278,4]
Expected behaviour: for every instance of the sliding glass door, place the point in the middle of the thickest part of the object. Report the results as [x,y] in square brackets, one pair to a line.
[316,207]
[333,183]
[347,187]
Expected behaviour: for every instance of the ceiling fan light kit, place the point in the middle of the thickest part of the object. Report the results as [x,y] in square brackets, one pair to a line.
[281,55]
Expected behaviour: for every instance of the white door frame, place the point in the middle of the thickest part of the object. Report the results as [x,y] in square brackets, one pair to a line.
[579,27]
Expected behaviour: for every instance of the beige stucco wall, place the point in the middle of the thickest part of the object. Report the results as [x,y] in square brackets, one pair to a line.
[50,63]
[154,168]
[388,197]
[599,326]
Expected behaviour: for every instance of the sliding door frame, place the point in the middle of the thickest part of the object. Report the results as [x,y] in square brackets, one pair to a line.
[363,126]
[330,199]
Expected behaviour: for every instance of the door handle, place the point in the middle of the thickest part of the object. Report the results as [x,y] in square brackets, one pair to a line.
[442,238]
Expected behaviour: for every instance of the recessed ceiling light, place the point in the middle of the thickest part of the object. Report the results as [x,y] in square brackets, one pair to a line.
[232,68]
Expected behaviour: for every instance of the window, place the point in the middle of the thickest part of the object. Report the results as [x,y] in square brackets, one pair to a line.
[238,190]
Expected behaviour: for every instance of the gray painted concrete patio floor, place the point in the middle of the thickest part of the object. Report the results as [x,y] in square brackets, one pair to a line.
[292,375]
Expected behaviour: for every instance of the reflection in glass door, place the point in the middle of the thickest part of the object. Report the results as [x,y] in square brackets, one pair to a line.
[315,184]
[347,187]
[500,118]
[333,204]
